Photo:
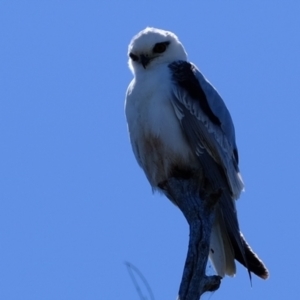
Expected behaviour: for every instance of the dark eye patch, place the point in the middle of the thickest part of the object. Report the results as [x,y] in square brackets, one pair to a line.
[133,56]
[160,47]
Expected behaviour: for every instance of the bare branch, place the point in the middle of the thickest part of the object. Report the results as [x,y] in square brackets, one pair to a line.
[199,212]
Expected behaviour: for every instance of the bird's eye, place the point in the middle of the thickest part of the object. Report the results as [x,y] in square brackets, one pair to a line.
[133,56]
[160,47]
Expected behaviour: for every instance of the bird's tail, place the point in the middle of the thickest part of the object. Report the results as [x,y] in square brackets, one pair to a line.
[253,263]
[228,243]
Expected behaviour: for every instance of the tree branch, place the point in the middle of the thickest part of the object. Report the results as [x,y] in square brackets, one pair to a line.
[199,212]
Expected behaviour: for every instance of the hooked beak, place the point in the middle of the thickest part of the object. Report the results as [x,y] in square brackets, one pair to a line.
[144,60]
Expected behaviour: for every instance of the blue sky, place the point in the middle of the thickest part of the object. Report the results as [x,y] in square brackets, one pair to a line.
[74,205]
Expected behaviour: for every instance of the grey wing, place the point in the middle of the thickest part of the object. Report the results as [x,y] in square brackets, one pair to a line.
[206,121]
[209,130]
[208,127]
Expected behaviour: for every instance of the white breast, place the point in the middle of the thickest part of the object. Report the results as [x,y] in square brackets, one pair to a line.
[156,136]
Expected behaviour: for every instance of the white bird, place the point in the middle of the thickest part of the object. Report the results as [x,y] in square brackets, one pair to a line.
[179,124]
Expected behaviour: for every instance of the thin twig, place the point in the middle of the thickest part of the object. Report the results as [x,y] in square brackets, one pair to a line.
[131,268]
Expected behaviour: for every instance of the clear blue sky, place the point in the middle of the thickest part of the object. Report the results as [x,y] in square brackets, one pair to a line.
[74,205]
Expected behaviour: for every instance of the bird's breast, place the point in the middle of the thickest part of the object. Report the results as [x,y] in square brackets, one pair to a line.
[156,136]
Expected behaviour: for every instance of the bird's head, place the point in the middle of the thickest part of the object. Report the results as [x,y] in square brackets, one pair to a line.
[152,47]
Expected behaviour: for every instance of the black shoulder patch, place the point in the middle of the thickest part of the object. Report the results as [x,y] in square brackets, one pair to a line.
[183,74]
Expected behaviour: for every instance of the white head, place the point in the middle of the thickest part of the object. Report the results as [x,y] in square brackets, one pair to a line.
[151,47]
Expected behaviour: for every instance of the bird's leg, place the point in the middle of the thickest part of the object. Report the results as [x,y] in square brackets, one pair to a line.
[199,211]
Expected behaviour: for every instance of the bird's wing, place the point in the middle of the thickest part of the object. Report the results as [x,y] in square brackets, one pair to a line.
[209,130]
[205,121]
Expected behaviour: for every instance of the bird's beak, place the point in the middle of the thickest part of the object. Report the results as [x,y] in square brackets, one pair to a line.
[144,60]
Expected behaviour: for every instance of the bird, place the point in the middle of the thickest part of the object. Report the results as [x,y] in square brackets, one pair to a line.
[179,124]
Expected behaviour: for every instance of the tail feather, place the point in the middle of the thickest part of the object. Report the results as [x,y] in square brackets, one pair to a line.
[221,252]
[254,263]
[228,244]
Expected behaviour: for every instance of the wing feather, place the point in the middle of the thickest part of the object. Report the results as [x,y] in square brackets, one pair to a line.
[208,127]
[206,120]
